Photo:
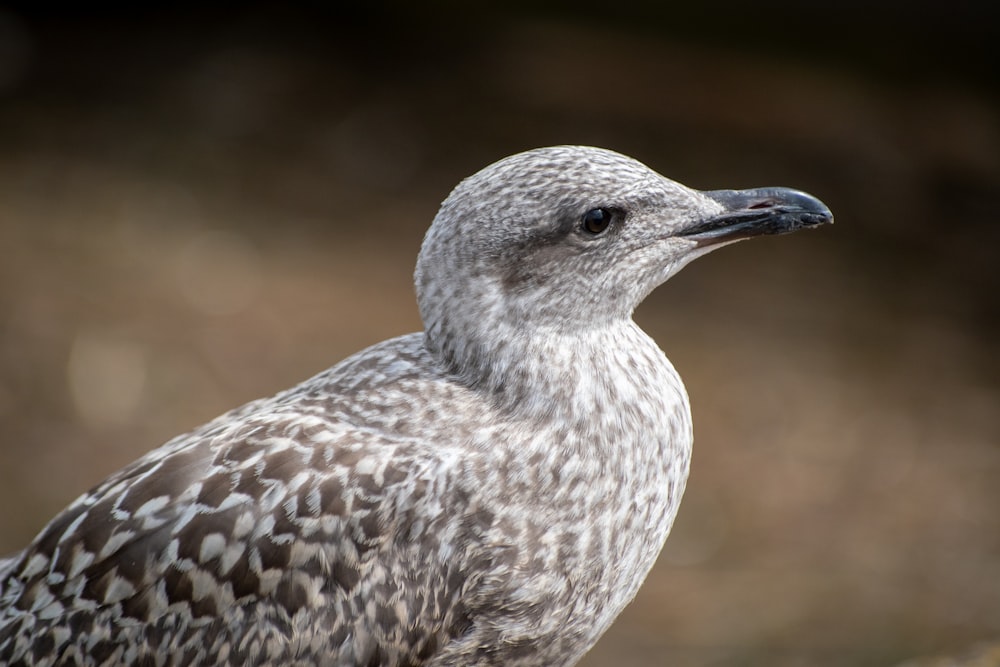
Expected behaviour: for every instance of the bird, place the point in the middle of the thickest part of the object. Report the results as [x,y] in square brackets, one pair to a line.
[492,490]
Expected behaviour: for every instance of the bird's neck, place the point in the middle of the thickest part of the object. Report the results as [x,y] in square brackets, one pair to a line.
[545,372]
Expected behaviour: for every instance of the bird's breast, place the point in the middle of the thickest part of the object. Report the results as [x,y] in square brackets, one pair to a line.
[586,497]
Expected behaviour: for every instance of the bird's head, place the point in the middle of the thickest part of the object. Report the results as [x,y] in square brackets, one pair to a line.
[570,237]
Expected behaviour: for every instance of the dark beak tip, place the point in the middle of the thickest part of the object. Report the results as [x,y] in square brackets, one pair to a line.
[813,209]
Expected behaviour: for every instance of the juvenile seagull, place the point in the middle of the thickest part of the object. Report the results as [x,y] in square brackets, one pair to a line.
[491,491]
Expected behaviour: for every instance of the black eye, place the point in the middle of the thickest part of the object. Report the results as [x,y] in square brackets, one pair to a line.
[596,220]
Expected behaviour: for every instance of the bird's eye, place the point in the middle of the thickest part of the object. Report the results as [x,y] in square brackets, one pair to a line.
[596,220]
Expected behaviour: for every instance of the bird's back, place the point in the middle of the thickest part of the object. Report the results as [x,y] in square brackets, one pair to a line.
[290,529]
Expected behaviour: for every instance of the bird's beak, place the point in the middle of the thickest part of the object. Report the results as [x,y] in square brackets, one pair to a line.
[757,212]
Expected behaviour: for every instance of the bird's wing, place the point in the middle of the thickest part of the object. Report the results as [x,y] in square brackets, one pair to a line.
[266,535]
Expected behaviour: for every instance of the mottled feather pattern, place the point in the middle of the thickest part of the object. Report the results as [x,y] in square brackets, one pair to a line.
[490,491]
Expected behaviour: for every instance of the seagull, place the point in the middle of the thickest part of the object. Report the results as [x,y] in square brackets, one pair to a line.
[490,491]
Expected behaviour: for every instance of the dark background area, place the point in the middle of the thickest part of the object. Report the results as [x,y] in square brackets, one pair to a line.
[201,206]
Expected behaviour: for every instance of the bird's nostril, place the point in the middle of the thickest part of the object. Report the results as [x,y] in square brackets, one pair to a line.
[766,203]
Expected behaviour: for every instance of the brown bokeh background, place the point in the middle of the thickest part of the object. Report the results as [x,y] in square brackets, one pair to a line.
[200,207]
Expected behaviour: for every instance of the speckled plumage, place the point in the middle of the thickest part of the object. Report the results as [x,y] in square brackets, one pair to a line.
[492,491]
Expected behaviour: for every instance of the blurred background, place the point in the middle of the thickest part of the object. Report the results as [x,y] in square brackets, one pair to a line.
[203,206]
